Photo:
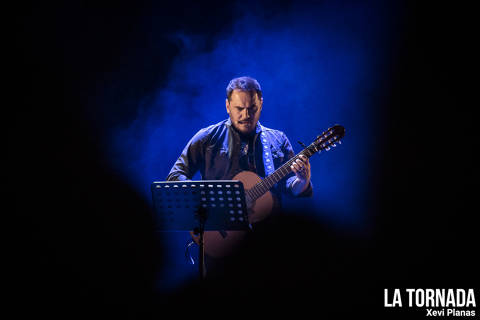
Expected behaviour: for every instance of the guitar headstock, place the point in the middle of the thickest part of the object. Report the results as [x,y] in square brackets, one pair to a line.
[329,138]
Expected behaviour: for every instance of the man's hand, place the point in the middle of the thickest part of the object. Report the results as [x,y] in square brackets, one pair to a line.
[301,168]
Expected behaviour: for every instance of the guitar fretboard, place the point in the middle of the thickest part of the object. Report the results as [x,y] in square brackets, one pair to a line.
[324,141]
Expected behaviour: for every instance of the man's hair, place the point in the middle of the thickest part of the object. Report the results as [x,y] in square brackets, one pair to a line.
[245,84]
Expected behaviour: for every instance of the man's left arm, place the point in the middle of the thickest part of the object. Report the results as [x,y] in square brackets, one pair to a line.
[300,185]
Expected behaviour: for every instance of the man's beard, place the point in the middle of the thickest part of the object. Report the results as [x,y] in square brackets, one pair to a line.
[248,133]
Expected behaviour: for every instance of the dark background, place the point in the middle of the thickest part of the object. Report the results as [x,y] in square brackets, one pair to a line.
[85,244]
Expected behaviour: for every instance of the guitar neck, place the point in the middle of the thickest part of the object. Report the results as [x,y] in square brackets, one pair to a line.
[266,184]
[324,141]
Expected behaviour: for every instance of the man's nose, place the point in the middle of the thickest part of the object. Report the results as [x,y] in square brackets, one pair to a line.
[246,114]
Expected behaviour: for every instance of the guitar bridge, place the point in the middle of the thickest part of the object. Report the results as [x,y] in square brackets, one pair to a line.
[223,233]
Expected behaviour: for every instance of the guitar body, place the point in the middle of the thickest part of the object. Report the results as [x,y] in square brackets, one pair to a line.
[219,244]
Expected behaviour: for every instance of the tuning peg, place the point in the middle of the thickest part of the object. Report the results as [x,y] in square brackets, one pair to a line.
[327,148]
[339,142]
[334,145]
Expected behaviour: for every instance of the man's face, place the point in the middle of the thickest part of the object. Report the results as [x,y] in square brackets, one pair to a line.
[244,109]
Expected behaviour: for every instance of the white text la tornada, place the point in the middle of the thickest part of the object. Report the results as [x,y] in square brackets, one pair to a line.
[434,298]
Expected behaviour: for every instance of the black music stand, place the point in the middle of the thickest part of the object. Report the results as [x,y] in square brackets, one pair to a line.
[199,206]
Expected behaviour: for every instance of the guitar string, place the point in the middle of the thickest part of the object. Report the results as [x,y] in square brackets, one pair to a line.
[263,186]
[259,189]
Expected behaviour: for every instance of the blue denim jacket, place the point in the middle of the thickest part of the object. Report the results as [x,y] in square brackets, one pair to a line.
[212,149]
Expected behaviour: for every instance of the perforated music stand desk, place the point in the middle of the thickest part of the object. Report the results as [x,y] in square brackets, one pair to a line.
[199,206]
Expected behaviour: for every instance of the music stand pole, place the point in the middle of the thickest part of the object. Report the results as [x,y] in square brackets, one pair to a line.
[202,215]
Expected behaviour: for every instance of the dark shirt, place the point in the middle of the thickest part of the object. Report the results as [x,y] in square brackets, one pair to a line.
[247,158]
[219,152]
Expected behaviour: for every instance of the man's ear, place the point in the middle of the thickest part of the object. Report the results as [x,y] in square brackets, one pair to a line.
[227,105]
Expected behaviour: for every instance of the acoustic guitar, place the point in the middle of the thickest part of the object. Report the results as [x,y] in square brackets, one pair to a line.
[259,199]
